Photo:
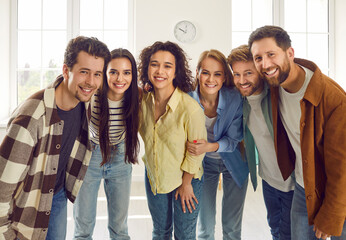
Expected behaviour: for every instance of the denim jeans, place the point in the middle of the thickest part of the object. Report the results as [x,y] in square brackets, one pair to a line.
[300,228]
[278,206]
[167,212]
[58,217]
[232,202]
[117,184]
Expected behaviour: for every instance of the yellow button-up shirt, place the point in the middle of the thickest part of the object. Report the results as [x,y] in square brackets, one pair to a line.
[166,156]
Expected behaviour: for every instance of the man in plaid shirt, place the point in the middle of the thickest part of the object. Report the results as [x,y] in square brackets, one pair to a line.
[46,151]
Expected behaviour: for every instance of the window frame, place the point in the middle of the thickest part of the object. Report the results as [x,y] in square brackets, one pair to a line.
[278,15]
[72,30]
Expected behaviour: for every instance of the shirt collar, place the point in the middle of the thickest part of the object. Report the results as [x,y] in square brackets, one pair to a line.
[175,98]
[316,86]
[172,102]
[222,103]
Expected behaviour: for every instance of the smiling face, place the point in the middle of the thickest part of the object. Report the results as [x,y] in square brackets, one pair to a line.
[84,78]
[211,76]
[161,70]
[246,78]
[271,61]
[119,78]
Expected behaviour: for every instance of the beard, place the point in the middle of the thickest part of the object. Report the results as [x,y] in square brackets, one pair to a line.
[252,89]
[284,72]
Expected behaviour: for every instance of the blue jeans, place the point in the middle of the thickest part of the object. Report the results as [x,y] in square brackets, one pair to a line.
[58,217]
[300,228]
[117,184]
[165,211]
[232,202]
[278,206]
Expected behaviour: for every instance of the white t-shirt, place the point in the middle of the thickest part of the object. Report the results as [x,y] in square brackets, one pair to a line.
[290,113]
[268,167]
[209,124]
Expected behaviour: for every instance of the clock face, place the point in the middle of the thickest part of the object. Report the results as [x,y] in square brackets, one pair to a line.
[185,31]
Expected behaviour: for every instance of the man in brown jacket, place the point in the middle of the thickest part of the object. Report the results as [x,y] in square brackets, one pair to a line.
[310,126]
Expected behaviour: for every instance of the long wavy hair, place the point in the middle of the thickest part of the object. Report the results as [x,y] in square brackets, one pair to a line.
[130,114]
[183,75]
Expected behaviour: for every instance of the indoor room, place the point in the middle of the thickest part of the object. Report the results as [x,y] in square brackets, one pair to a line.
[34,35]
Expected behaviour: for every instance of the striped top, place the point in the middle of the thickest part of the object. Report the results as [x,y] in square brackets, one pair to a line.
[116,122]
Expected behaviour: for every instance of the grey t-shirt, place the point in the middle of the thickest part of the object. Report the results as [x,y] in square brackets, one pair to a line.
[72,126]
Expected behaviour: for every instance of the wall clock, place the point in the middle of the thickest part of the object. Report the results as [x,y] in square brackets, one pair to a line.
[185,31]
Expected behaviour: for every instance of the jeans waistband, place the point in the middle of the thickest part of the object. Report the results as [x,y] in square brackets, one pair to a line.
[97,146]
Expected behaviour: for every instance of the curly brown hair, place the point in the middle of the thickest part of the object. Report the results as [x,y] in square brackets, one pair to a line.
[183,75]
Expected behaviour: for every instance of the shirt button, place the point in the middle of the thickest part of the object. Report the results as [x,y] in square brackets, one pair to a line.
[305,161]
[303,124]
[51,190]
[48,213]
[309,197]
[57,146]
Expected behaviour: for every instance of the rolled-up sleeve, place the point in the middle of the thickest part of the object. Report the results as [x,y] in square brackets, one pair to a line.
[195,128]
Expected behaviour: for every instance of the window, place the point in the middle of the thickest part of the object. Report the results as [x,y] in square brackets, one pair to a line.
[310,32]
[43,28]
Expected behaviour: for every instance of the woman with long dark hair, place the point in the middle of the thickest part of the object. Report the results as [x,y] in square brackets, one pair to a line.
[114,134]
[169,118]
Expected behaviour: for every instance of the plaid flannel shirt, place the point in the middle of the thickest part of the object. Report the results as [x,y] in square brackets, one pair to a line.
[29,157]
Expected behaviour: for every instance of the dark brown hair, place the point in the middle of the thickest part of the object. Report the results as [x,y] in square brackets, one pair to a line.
[183,76]
[280,36]
[130,113]
[90,45]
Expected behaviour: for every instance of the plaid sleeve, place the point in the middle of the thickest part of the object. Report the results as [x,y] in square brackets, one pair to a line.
[15,152]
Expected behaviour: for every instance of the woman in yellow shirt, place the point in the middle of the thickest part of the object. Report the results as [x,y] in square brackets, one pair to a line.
[169,118]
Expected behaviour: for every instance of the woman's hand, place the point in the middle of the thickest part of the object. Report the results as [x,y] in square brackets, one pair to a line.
[197,147]
[185,191]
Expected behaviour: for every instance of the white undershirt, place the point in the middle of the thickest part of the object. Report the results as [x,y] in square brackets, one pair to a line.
[209,124]
[290,112]
[268,167]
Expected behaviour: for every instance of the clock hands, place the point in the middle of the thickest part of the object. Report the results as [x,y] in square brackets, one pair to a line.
[184,31]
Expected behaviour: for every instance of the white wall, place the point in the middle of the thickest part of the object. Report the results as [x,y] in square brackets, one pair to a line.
[155,20]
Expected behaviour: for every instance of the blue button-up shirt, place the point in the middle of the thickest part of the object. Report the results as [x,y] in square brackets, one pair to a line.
[228,132]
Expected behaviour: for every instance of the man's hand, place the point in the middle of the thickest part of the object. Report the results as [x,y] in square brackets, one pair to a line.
[319,234]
